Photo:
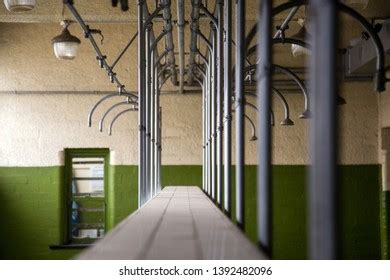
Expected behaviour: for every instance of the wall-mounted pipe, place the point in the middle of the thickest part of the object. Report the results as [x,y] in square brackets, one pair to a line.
[253,127]
[102,58]
[194,27]
[167,16]
[101,122]
[180,38]
[124,50]
[100,101]
[117,116]
[277,68]
[286,121]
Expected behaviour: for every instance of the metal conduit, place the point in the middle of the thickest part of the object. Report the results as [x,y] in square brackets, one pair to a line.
[240,111]
[141,111]
[101,122]
[286,120]
[219,101]
[167,17]
[117,116]
[194,26]
[322,203]
[100,101]
[227,130]
[180,36]
[264,84]
[102,58]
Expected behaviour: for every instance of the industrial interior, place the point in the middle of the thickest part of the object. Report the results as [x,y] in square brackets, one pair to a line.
[194,129]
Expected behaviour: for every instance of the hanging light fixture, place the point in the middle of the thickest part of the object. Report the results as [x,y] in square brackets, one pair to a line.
[19,5]
[65,45]
[302,35]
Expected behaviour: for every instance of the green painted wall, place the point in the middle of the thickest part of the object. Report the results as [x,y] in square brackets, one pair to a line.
[385,224]
[31,211]
[359,208]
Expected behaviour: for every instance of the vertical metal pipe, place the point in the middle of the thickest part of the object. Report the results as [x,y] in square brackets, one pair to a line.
[152,126]
[141,100]
[240,111]
[180,37]
[213,113]
[156,128]
[219,132]
[147,111]
[227,106]
[209,131]
[203,137]
[160,144]
[322,189]
[264,84]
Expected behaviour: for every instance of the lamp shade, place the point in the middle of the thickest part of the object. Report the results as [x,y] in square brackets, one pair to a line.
[19,5]
[66,45]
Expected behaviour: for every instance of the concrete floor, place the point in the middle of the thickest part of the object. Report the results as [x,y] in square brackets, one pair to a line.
[179,223]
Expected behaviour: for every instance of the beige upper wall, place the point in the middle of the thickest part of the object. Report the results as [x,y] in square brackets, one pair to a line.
[36,127]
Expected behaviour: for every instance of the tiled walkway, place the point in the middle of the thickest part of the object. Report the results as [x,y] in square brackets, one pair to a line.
[179,223]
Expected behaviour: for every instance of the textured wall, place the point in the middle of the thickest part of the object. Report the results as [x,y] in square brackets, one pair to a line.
[37,127]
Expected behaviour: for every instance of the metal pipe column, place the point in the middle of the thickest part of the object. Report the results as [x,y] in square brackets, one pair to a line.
[264,84]
[180,36]
[152,126]
[147,112]
[240,111]
[213,113]
[219,101]
[141,106]
[209,131]
[322,204]
[227,130]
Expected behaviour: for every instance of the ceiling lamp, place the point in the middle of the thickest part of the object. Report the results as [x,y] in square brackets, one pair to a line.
[19,5]
[65,45]
[301,35]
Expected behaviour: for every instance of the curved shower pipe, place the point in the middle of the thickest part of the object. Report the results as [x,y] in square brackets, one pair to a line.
[128,102]
[246,103]
[209,15]
[202,57]
[380,75]
[205,40]
[253,137]
[103,99]
[306,113]
[162,55]
[117,116]
[165,79]
[287,120]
